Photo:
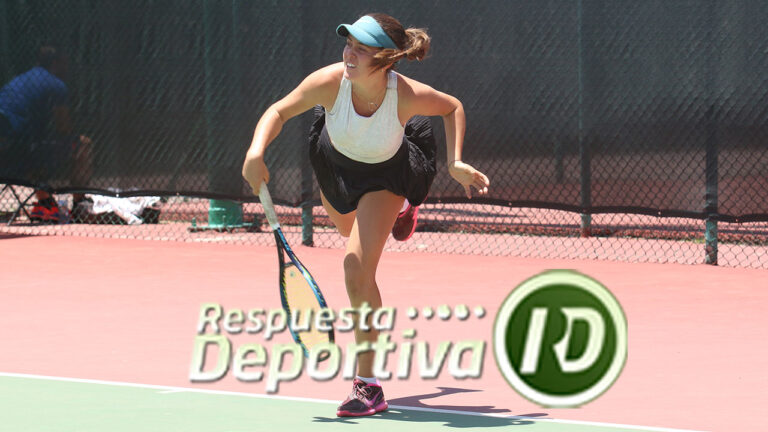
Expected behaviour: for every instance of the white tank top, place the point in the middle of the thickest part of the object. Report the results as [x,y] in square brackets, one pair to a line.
[365,139]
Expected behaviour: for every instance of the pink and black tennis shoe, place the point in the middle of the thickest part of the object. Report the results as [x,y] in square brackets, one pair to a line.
[405,224]
[365,400]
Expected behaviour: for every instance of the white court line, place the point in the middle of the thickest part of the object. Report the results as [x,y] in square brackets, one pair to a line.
[171,389]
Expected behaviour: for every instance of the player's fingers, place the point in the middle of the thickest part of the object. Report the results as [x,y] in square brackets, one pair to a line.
[468,191]
[483,181]
[481,188]
[482,178]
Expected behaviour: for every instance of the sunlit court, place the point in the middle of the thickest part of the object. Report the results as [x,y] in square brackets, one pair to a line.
[247,216]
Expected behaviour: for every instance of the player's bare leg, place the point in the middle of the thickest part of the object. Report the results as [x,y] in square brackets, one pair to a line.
[376,212]
[343,222]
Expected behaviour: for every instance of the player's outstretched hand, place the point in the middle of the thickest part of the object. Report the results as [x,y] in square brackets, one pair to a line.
[468,176]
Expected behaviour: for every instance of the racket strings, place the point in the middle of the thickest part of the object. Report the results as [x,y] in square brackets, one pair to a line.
[303,306]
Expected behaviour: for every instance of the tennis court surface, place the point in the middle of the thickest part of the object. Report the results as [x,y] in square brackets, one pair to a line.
[98,335]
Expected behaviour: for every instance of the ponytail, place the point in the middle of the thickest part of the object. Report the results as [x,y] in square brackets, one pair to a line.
[418,44]
[412,43]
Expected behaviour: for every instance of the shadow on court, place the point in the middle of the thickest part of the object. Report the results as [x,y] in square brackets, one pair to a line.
[445,419]
[399,411]
[416,402]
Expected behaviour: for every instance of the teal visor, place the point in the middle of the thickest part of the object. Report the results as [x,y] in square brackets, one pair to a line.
[368,31]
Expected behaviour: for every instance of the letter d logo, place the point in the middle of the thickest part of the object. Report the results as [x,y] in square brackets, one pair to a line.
[560,339]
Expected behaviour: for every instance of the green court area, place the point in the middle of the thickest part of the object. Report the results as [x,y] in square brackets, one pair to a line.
[50,404]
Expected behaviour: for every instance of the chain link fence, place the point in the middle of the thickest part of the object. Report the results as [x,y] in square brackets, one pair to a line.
[609,129]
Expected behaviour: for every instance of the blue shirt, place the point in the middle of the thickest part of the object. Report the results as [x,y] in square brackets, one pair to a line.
[28,101]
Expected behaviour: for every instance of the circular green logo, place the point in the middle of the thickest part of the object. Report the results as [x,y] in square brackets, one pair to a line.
[560,339]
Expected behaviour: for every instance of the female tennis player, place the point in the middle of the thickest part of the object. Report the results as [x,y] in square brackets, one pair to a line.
[373,154]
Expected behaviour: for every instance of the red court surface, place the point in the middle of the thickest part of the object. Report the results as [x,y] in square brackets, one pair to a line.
[127,311]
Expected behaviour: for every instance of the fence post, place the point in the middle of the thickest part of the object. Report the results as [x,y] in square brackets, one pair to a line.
[584,153]
[305,165]
[221,213]
[710,231]
[712,120]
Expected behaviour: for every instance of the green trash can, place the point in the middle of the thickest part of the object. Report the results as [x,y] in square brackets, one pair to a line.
[224,214]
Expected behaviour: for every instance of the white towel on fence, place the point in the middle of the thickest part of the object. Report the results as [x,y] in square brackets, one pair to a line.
[128,209]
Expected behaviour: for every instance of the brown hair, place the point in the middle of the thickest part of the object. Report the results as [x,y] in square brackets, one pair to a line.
[412,43]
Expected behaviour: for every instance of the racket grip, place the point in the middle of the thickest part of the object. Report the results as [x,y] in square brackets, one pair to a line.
[269,208]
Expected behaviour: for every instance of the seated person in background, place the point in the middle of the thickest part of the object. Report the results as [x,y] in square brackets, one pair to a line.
[35,123]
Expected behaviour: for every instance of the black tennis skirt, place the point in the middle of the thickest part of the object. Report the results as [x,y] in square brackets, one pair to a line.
[343,181]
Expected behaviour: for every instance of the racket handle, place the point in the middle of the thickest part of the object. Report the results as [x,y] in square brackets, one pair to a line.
[269,208]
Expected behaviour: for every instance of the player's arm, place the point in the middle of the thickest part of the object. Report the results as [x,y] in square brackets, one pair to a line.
[314,90]
[421,99]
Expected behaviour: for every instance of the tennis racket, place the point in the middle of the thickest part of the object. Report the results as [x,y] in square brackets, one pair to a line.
[299,292]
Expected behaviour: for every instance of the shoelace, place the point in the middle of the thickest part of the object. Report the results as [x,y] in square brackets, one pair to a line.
[361,392]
